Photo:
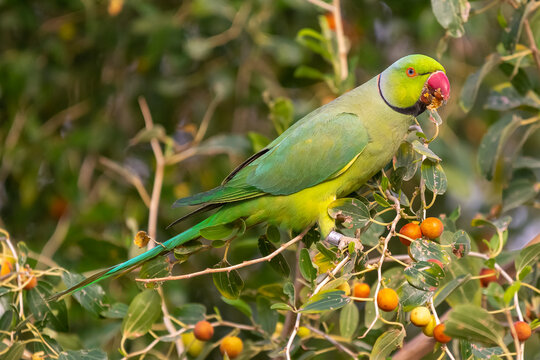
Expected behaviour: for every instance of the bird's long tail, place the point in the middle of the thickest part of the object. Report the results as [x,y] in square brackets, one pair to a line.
[182,238]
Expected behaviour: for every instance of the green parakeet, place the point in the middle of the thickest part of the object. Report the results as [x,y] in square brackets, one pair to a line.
[327,154]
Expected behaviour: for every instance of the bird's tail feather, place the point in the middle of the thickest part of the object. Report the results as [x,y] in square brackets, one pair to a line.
[189,234]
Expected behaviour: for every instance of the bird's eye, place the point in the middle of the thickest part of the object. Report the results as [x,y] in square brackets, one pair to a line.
[411,72]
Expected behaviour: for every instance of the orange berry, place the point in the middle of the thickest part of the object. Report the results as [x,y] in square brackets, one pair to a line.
[232,345]
[32,282]
[488,279]
[361,290]
[411,230]
[6,267]
[387,299]
[439,335]
[331,20]
[523,330]
[203,330]
[432,228]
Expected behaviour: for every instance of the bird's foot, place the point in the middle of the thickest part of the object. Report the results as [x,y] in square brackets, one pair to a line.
[342,241]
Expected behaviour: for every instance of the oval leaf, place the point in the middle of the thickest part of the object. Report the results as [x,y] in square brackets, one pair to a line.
[481,327]
[425,250]
[278,262]
[307,269]
[424,275]
[326,300]
[228,283]
[386,343]
[352,213]
[348,320]
[143,311]
[434,177]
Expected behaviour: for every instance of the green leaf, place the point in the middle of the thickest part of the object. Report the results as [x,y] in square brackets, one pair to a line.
[144,310]
[424,275]
[528,256]
[258,141]
[425,151]
[451,14]
[281,306]
[189,248]
[155,268]
[92,354]
[461,243]
[50,313]
[288,289]
[314,41]
[444,291]
[326,300]
[386,344]
[15,351]
[491,147]
[522,188]
[472,84]
[523,273]
[265,316]
[352,213]
[348,320]
[411,297]
[481,327]
[220,232]
[239,304]
[434,177]
[228,283]
[406,158]
[278,262]
[510,291]
[190,313]
[511,36]
[116,311]
[505,97]
[425,250]
[281,113]
[381,200]
[308,72]
[92,297]
[273,234]
[307,269]
[329,254]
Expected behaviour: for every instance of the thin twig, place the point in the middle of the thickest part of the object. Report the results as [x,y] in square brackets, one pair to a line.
[334,342]
[342,48]
[129,176]
[317,289]
[17,268]
[391,233]
[322,5]
[532,43]
[230,268]
[168,323]
[158,177]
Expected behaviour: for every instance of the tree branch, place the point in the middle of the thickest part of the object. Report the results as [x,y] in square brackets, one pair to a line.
[230,268]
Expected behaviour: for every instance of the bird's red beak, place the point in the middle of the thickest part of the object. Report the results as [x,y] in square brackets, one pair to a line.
[439,81]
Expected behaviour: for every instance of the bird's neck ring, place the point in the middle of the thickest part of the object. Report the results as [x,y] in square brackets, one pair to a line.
[414,110]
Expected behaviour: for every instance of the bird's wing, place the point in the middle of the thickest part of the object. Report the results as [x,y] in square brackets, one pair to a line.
[319,148]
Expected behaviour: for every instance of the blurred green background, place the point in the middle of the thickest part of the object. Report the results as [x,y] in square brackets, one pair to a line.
[71,74]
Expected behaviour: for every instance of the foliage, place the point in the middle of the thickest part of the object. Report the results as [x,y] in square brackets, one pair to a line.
[114,109]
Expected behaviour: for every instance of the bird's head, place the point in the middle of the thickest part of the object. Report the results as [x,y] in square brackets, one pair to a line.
[413,84]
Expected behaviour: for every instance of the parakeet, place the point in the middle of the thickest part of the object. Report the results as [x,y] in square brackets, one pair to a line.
[326,155]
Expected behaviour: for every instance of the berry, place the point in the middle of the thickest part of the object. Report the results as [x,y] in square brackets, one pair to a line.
[428,329]
[361,290]
[431,228]
[387,299]
[420,316]
[303,332]
[203,330]
[523,330]
[194,347]
[29,279]
[488,279]
[6,267]
[410,230]
[345,287]
[439,335]
[232,345]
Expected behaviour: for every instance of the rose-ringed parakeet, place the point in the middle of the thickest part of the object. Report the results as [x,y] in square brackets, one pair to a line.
[327,154]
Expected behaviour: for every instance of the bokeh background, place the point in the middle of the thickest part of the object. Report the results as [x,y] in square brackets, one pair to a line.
[72,139]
